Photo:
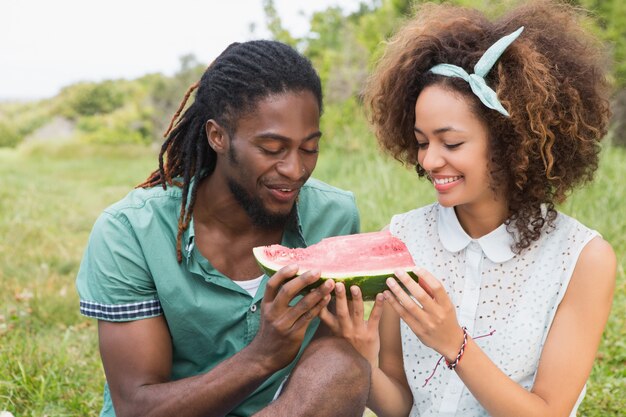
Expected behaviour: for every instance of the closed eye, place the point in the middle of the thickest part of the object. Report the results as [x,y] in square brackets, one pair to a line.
[310,151]
[422,145]
[453,145]
[270,151]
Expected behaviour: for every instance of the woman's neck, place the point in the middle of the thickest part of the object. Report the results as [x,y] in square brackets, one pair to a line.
[478,221]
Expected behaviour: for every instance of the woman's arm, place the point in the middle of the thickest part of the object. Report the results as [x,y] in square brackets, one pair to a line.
[378,340]
[567,355]
[390,394]
[569,350]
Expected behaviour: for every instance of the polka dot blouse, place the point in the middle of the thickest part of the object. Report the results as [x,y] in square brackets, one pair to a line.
[492,289]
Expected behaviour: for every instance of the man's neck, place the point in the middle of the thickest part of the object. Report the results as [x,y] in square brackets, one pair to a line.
[225,234]
[215,206]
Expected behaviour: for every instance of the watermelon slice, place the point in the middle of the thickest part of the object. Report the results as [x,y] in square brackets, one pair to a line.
[365,260]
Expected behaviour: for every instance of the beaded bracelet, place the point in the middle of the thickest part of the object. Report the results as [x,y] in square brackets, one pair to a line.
[452,365]
[458,358]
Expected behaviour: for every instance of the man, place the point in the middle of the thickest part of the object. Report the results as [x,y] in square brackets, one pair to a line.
[188,325]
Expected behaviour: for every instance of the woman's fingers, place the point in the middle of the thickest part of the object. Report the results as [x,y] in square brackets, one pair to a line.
[357,304]
[394,302]
[426,308]
[330,320]
[431,285]
[376,313]
[341,302]
[349,316]
[415,289]
[405,305]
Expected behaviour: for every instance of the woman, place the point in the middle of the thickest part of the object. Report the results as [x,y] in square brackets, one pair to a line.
[504,118]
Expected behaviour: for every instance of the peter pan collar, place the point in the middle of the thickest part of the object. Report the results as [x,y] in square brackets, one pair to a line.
[496,245]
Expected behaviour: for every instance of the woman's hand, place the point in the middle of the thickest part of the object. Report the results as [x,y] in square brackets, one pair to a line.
[430,313]
[349,322]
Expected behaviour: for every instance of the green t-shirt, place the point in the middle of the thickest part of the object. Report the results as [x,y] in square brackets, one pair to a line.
[129,272]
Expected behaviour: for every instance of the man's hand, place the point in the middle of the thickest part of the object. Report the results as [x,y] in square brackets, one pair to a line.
[283,326]
[137,356]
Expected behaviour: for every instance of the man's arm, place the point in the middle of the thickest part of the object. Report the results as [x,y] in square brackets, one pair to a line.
[137,356]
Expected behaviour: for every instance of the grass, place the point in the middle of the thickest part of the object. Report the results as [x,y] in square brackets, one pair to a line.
[51,195]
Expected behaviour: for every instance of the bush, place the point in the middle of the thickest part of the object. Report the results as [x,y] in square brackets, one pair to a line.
[129,124]
[8,136]
[88,99]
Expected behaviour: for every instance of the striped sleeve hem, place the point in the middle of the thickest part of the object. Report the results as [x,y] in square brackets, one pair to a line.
[121,312]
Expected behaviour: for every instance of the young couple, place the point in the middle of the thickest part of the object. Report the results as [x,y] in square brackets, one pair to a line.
[503,117]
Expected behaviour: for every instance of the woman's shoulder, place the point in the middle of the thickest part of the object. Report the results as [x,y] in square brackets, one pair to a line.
[419,223]
[418,215]
[592,286]
[598,260]
[564,220]
[566,231]
[595,260]
[598,255]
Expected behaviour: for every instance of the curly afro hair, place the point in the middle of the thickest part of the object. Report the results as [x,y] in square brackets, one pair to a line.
[552,81]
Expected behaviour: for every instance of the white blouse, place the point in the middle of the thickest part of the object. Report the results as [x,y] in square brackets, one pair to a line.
[492,289]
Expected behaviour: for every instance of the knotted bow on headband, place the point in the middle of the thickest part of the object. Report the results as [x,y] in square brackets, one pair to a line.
[477,80]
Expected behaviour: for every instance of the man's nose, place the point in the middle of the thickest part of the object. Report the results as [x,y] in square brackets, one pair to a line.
[292,166]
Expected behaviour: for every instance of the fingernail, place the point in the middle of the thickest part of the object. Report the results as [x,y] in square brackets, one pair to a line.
[354,290]
[386,295]
[391,282]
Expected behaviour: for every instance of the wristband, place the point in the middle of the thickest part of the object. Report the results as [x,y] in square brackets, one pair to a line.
[458,357]
[453,364]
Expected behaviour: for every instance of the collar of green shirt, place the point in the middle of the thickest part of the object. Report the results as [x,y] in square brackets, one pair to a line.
[196,263]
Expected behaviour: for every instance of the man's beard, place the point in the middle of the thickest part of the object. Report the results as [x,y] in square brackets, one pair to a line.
[253,205]
[255,209]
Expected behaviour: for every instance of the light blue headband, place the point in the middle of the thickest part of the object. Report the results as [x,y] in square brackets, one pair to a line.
[477,80]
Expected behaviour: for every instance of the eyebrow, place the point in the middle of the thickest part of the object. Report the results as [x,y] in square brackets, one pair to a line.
[275,136]
[438,131]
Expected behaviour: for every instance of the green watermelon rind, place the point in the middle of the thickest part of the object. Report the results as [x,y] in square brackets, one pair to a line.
[370,282]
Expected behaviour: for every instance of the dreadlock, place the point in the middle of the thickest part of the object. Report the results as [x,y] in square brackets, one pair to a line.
[231,86]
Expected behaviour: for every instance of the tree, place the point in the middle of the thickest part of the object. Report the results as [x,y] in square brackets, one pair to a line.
[165,93]
[274,24]
[87,99]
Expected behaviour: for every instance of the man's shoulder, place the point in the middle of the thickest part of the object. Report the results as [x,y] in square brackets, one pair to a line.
[325,211]
[315,189]
[140,200]
[318,196]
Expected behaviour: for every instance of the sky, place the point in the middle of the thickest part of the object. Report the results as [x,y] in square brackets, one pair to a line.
[48,44]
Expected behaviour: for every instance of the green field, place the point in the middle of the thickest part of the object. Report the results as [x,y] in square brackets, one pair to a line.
[51,195]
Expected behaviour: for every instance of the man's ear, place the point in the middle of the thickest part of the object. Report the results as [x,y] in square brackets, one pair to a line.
[217,136]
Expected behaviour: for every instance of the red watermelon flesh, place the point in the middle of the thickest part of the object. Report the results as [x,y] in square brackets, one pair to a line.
[364,259]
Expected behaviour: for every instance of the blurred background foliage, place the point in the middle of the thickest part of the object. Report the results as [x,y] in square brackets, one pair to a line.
[64,171]
[342,46]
